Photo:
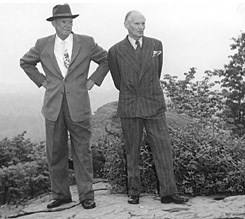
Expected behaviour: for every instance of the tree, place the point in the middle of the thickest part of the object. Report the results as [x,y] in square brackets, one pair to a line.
[197,99]
[232,82]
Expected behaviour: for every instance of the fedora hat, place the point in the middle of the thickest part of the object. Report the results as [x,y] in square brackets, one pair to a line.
[61,11]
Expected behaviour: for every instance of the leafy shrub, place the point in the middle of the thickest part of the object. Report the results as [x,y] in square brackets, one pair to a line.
[23,169]
[98,162]
[115,166]
[22,181]
[204,163]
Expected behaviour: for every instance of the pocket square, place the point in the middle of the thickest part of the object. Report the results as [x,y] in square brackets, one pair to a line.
[156,53]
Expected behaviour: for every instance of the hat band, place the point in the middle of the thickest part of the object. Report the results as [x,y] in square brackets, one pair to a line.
[61,15]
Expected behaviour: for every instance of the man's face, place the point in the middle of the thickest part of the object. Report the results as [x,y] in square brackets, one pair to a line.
[135,25]
[63,27]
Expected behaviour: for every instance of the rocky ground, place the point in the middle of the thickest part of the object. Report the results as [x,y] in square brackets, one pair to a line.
[115,206]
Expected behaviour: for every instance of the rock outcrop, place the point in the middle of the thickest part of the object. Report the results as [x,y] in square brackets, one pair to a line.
[107,116]
[113,206]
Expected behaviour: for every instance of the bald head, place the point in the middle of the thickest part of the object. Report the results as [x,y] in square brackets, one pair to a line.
[135,24]
[131,14]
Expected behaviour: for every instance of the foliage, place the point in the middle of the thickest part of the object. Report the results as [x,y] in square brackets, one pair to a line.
[98,162]
[197,99]
[200,100]
[23,169]
[204,164]
[115,167]
[111,147]
[232,82]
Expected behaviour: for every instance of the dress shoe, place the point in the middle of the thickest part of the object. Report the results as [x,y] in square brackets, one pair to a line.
[57,202]
[173,198]
[88,204]
[133,199]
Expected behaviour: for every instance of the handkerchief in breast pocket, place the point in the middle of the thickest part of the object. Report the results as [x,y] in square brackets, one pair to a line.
[156,53]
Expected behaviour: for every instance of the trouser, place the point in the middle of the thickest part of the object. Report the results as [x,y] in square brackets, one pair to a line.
[58,152]
[159,141]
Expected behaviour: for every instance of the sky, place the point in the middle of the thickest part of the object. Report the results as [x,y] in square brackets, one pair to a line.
[194,33]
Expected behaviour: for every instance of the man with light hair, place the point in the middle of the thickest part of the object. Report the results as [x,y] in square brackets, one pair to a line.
[135,64]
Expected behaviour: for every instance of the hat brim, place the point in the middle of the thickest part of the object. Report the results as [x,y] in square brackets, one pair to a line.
[63,16]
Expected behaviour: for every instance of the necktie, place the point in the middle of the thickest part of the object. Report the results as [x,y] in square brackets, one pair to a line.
[66,58]
[137,45]
[138,51]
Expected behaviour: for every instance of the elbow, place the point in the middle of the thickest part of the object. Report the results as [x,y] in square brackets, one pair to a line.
[21,62]
[117,85]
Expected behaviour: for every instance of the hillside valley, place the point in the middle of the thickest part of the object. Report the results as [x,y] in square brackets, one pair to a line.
[21,109]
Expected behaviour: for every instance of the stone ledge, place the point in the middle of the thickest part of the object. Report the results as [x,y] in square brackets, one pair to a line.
[115,206]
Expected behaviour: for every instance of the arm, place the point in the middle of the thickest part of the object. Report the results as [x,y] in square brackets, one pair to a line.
[28,63]
[113,66]
[99,56]
[160,57]
[90,84]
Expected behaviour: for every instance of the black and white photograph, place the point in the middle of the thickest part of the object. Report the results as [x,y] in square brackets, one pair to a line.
[122,109]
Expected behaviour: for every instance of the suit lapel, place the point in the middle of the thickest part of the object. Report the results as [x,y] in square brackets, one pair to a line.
[76,47]
[50,48]
[75,52]
[148,48]
[127,52]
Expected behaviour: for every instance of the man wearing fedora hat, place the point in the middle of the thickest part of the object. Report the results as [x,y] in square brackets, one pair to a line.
[65,58]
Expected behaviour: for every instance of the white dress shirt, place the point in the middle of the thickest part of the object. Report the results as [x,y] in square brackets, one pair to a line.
[59,48]
[133,41]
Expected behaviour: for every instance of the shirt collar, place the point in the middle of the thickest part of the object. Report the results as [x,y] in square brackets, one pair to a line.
[132,41]
[68,40]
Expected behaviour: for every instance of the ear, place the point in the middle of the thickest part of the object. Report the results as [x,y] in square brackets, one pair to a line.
[126,24]
[53,23]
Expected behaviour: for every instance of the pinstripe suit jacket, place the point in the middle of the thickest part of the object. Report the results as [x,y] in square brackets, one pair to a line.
[140,92]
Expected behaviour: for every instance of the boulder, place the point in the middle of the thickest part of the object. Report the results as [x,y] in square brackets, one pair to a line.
[106,117]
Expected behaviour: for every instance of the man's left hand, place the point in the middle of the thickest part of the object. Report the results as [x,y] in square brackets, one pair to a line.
[90,84]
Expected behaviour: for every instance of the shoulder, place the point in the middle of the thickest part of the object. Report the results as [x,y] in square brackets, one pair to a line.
[117,45]
[83,37]
[153,40]
[41,42]
[47,38]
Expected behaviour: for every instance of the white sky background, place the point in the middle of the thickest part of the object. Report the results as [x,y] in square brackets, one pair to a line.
[194,33]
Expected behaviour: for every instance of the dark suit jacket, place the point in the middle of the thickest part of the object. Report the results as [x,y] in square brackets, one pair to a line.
[140,94]
[84,51]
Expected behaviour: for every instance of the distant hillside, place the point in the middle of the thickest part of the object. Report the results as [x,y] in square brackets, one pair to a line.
[21,109]
[21,112]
